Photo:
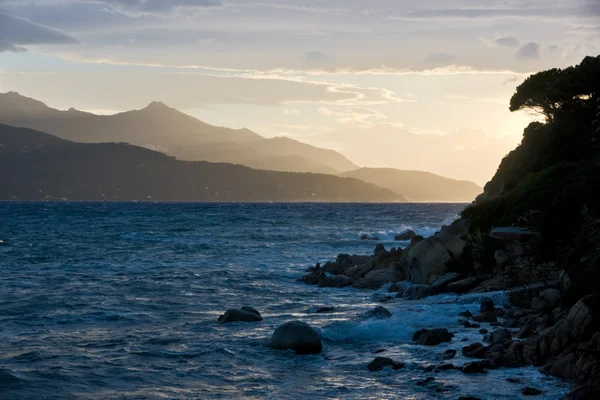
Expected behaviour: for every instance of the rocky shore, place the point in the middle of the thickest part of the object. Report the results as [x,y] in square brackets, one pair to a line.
[534,327]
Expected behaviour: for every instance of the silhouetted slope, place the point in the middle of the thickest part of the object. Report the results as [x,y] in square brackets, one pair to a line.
[36,165]
[418,186]
[168,130]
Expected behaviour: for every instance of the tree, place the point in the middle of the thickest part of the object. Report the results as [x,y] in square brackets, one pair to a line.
[547,92]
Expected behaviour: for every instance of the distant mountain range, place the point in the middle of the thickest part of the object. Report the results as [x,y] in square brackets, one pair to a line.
[167,130]
[39,166]
[418,186]
[170,131]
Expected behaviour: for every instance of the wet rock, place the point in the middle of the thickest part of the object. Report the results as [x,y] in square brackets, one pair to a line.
[466,314]
[380,363]
[416,292]
[448,354]
[425,381]
[364,236]
[464,285]
[432,337]
[525,332]
[488,317]
[406,235]
[441,284]
[446,367]
[531,391]
[399,287]
[429,368]
[469,398]
[514,380]
[474,367]
[474,350]
[377,278]
[483,331]
[486,304]
[244,314]
[378,312]
[547,300]
[500,336]
[297,336]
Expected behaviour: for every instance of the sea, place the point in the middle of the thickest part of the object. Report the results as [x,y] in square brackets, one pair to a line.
[121,300]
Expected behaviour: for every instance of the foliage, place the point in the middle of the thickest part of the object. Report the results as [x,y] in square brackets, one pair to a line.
[551,181]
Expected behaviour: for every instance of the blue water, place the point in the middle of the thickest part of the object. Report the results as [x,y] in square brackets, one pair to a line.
[120,301]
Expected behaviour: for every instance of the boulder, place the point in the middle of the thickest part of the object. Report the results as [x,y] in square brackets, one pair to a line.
[366,236]
[405,235]
[547,300]
[474,367]
[474,350]
[441,284]
[464,285]
[380,363]
[427,259]
[486,304]
[501,258]
[298,336]
[321,309]
[500,336]
[432,337]
[416,292]
[244,314]
[377,278]
[488,317]
[378,312]
[448,354]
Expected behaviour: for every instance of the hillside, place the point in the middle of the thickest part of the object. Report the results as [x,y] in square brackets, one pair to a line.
[37,166]
[418,186]
[166,129]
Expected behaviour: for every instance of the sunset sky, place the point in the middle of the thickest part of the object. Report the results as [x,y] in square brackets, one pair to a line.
[389,83]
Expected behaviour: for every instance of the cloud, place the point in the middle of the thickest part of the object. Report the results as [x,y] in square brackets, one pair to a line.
[137,8]
[507,41]
[585,10]
[439,59]
[509,80]
[16,32]
[529,51]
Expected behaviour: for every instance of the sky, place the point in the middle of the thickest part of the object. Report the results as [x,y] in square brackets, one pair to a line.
[420,85]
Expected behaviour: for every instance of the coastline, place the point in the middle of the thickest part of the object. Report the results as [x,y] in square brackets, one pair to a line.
[531,328]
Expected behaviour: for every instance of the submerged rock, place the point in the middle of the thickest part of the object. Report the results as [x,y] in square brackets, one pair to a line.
[416,292]
[448,354]
[531,391]
[298,336]
[244,314]
[380,363]
[474,367]
[486,304]
[474,350]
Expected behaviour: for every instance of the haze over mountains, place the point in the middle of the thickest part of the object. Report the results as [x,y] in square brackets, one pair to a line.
[38,166]
[167,130]
[418,186]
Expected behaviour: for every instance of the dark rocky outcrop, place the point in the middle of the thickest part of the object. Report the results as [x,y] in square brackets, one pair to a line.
[406,235]
[298,336]
[378,312]
[244,314]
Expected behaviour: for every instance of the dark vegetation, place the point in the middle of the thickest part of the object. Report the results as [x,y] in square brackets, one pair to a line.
[551,181]
[38,166]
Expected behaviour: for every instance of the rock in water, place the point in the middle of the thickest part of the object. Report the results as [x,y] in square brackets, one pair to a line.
[486,305]
[432,337]
[244,314]
[441,284]
[297,336]
[378,312]
[406,235]
[416,292]
[380,363]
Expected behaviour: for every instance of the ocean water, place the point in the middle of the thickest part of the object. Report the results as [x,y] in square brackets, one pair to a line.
[120,301]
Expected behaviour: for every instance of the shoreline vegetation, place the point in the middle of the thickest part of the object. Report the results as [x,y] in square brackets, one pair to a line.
[534,234]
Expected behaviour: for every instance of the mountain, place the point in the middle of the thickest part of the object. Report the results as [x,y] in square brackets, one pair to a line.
[418,186]
[168,130]
[37,166]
